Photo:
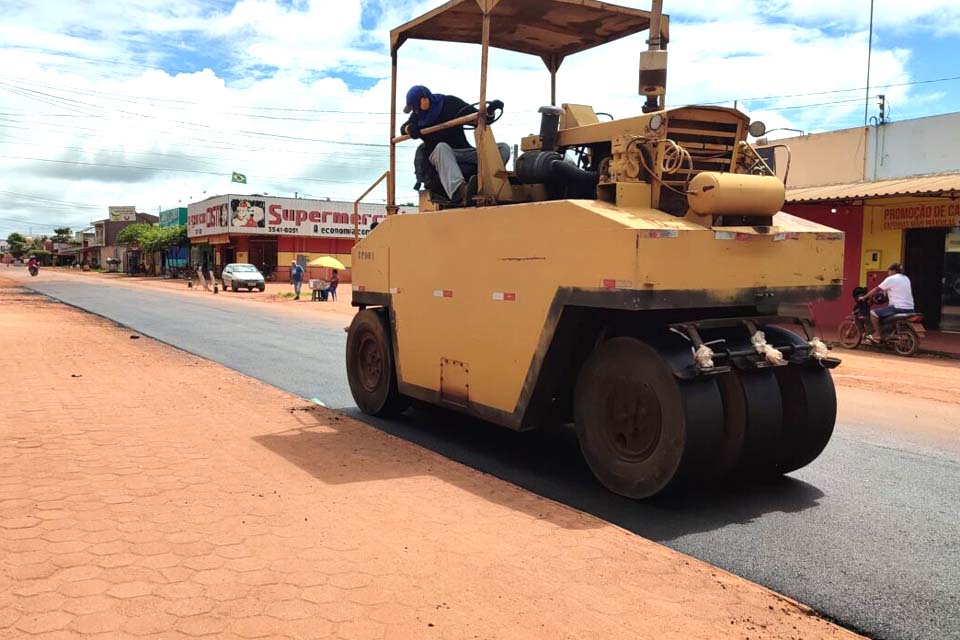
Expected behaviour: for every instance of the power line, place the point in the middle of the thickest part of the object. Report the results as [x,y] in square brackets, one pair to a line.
[41,96]
[824,93]
[126,97]
[145,168]
[38,198]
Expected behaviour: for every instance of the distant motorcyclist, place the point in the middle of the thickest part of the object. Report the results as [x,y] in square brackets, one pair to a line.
[899,299]
[447,150]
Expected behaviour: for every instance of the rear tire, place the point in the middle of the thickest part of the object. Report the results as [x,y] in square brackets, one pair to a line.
[850,334]
[640,429]
[906,342]
[370,366]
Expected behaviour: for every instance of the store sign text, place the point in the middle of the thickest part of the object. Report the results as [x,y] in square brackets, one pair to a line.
[918,216]
[279,216]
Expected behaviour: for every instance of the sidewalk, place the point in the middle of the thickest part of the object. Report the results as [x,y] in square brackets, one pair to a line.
[148,493]
[277,293]
[938,343]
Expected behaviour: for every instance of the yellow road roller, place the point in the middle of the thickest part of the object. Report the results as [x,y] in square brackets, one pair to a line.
[633,277]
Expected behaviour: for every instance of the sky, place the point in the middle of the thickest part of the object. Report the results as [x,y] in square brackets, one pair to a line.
[154,103]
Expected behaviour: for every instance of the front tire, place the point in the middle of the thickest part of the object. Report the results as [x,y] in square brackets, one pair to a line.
[639,428]
[370,366]
[850,334]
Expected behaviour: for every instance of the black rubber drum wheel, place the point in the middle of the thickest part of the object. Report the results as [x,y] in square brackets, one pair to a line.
[370,366]
[641,429]
[809,414]
[752,407]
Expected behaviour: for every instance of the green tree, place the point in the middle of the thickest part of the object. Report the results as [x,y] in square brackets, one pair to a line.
[134,233]
[153,240]
[63,234]
[18,244]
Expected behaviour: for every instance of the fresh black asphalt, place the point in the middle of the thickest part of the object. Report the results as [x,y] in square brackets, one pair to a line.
[869,534]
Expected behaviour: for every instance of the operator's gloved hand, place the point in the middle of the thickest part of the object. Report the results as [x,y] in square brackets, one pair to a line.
[411,128]
[493,106]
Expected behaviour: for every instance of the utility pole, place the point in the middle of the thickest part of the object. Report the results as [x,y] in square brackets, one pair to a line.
[866,105]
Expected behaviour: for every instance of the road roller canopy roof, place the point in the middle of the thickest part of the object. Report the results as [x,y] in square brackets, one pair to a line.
[545,28]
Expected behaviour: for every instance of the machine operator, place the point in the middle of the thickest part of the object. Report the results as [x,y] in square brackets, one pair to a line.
[448,150]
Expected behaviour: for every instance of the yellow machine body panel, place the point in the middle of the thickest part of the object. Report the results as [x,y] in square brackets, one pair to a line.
[473,293]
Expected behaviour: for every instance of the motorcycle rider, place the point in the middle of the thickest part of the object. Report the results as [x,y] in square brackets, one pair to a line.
[899,297]
[32,264]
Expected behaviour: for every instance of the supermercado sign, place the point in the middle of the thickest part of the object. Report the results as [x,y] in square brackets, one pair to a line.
[261,215]
[921,215]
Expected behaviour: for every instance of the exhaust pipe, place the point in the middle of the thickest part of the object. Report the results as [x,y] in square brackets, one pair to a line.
[653,63]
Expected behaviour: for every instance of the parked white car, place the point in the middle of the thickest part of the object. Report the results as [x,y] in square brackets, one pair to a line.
[242,276]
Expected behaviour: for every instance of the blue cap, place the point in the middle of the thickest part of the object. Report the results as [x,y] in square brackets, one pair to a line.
[413,97]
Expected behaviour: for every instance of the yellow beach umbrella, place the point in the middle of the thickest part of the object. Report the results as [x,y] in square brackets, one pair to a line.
[328,262]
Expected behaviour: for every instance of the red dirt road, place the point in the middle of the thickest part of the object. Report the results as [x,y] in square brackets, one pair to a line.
[147,493]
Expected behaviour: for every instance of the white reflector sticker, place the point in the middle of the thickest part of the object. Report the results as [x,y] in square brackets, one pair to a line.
[394,290]
[780,237]
[359,287]
[731,235]
[830,236]
[663,233]
[504,296]
[443,293]
[616,284]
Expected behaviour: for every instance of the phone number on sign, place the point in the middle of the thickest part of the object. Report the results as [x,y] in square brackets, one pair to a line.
[283,230]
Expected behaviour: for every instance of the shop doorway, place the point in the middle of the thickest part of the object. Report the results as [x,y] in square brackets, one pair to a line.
[951,282]
[924,264]
[263,255]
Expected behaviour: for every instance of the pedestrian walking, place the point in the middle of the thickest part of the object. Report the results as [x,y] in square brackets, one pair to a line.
[334,283]
[296,278]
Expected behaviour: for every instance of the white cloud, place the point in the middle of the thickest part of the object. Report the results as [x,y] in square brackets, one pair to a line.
[279,64]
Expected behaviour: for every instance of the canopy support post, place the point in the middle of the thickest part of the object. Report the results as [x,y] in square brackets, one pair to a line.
[482,116]
[392,171]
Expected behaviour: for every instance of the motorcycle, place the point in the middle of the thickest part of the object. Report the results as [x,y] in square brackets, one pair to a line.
[34,270]
[901,332]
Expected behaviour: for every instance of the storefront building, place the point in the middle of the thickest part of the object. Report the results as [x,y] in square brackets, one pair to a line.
[173,217]
[174,258]
[270,232]
[894,190]
[914,222]
[104,251]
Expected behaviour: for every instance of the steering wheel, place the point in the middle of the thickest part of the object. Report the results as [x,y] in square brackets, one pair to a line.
[476,105]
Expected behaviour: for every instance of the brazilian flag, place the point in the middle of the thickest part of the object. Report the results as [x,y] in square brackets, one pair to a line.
[239,177]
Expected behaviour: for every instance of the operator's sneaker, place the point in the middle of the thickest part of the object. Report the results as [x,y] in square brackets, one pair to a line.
[870,339]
